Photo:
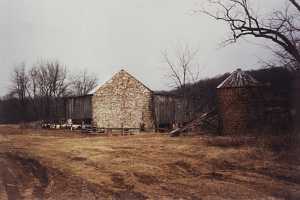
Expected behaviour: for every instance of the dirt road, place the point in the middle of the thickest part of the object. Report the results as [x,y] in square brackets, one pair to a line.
[26,178]
[8,181]
[21,178]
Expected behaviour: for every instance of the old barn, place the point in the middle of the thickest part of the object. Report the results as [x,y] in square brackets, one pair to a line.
[125,102]
[79,108]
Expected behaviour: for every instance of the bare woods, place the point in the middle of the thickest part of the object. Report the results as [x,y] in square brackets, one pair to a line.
[37,92]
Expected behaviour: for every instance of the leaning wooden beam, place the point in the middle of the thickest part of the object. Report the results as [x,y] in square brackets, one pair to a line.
[198,122]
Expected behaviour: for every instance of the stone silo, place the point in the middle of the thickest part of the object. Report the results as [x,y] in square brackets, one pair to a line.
[240,103]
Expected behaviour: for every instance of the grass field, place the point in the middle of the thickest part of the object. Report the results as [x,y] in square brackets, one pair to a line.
[64,165]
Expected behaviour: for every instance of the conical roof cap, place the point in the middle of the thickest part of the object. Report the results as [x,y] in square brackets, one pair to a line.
[239,78]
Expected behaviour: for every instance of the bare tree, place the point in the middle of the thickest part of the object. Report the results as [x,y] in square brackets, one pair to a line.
[33,89]
[20,85]
[82,83]
[48,79]
[39,91]
[182,66]
[33,92]
[183,71]
[20,82]
[48,86]
[281,27]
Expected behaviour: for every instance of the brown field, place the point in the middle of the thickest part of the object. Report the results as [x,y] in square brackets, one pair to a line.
[39,164]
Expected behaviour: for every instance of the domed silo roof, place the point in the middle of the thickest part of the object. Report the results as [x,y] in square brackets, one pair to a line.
[238,79]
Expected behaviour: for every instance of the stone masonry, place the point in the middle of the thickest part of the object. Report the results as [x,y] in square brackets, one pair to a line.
[123,102]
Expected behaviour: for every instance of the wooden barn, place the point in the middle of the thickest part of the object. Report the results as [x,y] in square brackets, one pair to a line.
[124,102]
[240,102]
[79,109]
[168,110]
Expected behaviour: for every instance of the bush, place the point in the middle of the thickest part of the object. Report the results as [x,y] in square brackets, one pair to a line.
[230,141]
[279,143]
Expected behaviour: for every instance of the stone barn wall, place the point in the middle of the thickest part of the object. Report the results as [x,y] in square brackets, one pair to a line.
[241,109]
[123,102]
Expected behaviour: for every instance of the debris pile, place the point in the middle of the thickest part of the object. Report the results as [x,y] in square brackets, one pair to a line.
[209,120]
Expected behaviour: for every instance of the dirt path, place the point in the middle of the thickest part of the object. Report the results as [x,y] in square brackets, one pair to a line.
[22,177]
[8,181]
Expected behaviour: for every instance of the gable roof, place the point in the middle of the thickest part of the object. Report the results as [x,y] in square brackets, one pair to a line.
[93,91]
[239,78]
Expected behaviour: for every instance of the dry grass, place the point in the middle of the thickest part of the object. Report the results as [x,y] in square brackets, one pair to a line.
[154,166]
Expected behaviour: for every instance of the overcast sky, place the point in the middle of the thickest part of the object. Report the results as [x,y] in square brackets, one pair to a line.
[104,36]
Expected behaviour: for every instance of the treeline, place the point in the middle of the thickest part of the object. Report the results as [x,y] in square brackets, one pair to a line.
[37,92]
[202,95]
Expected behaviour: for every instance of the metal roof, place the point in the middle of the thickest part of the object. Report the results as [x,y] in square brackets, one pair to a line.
[239,78]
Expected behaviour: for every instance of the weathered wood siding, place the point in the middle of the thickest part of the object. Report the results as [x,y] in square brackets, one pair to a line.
[79,108]
[57,110]
[123,102]
[168,109]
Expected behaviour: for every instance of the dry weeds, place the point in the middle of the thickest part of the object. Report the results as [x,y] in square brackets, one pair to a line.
[146,166]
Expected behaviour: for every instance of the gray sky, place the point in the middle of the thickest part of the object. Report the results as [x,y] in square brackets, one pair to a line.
[105,36]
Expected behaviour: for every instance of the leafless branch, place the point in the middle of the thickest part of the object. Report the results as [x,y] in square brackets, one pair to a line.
[82,83]
[282,27]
